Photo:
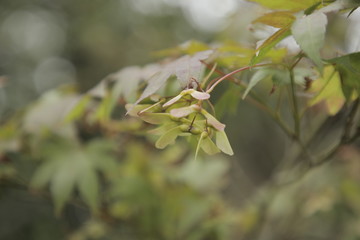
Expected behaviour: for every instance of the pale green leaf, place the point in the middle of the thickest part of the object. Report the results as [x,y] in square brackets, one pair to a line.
[88,186]
[223,143]
[43,174]
[155,118]
[62,184]
[256,78]
[209,147]
[168,138]
[212,120]
[105,108]
[79,109]
[163,128]
[309,33]
[270,43]
[134,110]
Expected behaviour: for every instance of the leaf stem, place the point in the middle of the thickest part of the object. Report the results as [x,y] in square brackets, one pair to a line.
[295,105]
[234,72]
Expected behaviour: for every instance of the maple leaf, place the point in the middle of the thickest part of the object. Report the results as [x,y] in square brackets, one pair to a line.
[185,69]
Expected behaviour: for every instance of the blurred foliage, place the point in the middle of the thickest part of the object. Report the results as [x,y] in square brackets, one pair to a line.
[84,160]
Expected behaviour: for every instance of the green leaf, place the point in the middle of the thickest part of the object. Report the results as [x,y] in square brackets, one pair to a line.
[212,120]
[104,111]
[202,136]
[294,5]
[89,188]
[270,44]
[309,33]
[133,110]
[278,19]
[62,184]
[228,102]
[168,138]
[223,143]
[348,67]
[78,110]
[163,128]
[206,144]
[209,147]
[311,9]
[256,78]
[155,118]
[43,174]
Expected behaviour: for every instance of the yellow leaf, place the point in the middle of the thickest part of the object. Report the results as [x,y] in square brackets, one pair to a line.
[276,19]
[287,4]
[327,89]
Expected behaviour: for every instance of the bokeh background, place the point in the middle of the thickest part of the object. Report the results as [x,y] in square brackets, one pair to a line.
[47,43]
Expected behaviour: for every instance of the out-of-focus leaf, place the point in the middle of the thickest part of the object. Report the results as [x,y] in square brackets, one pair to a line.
[328,89]
[135,110]
[63,182]
[168,138]
[212,173]
[256,78]
[89,188]
[188,47]
[309,33]
[44,174]
[48,113]
[294,5]
[79,109]
[231,54]
[126,82]
[348,67]
[103,112]
[276,55]
[69,166]
[223,143]
[185,68]
[312,8]
[278,19]
[269,43]
[228,102]
[340,5]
